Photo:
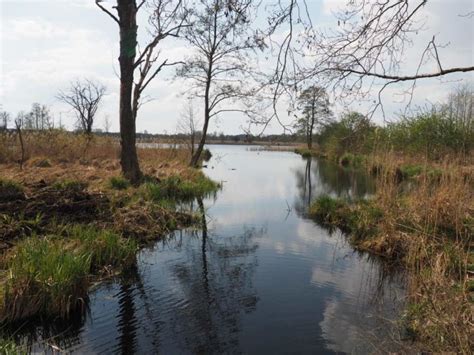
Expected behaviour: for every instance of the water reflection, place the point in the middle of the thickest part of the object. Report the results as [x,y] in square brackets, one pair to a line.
[331,179]
[251,277]
[216,281]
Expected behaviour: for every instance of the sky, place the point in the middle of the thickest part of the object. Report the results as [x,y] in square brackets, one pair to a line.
[46,44]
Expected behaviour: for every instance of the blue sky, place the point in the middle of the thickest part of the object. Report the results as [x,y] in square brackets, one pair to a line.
[47,43]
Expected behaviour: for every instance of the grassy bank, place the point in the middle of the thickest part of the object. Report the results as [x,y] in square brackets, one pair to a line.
[425,225]
[421,217]
[50,275]
[68,218]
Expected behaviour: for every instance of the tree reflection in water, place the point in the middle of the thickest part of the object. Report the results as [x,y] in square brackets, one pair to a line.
[331,180]
[217,285]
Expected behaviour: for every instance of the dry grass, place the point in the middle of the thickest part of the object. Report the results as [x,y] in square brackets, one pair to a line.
[58,155]
[67,180]
[431,217]
[427,225]
[422,217]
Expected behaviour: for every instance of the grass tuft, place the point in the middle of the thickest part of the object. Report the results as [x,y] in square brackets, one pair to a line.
[10,190]
[50,276]
[70,185]
[118,183]
[177,189]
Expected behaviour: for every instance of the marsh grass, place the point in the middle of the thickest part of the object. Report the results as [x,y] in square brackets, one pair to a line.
[306,153]
[50,276]
[70,185]
[177,189]
[118,183]
[359,218]
[425,225]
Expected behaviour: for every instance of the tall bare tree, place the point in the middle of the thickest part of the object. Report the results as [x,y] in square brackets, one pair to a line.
[84,97]
[221,36]
[165,20]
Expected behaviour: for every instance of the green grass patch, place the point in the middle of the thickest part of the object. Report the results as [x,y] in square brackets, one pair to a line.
[328,210]
[9,347]
[50,276]
[118,183]
[410,171]
[359,218]
[306,153]
[70,185]
[175,188]
[10,190]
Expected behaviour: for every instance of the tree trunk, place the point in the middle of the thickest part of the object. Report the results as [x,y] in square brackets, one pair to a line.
[197,154]
[195,159]
[127,11]
[311,127]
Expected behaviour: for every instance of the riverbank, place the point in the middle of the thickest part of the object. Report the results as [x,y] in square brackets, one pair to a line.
[68,219]
[421,219]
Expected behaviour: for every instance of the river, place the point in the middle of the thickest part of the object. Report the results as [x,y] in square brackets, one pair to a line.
[257,277]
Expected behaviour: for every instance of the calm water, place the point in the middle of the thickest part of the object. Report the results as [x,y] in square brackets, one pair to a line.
[258,277]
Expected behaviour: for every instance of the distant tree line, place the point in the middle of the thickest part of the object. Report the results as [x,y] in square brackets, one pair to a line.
[434,132]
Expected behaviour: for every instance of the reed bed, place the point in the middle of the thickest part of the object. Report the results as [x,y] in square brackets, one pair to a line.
[424,221]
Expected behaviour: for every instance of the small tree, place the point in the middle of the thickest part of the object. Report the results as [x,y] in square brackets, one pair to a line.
[84,97]
[4,119]
[314,105]
[220,34]
[188,124]
[19,123]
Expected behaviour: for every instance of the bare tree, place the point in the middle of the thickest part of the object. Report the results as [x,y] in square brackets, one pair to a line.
[39,118]
[188,124]
[366,49]
[4,119]
[84,97]
[313,103]
[220,34]
[165,21]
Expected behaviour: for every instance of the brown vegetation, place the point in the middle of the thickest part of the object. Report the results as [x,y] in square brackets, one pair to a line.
[424,221]
[70,195]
